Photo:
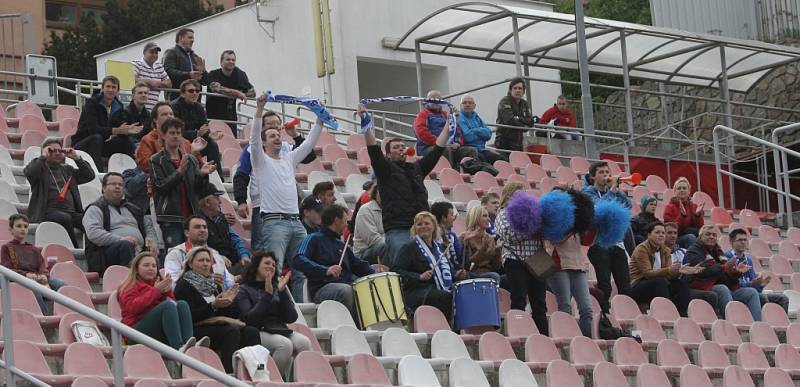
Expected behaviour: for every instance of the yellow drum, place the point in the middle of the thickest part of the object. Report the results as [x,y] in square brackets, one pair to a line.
[379,301]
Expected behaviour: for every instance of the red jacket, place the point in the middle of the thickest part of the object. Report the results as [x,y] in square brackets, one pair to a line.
[565,118]
[138,299]
[685,219]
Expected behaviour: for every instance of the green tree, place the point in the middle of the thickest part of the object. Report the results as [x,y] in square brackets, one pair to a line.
[76,47]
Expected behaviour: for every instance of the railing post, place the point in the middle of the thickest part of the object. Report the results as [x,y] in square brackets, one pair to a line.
[8,349]
[718,164]
[116,350]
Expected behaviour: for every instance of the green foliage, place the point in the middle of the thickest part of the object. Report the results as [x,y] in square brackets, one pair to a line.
[76,47]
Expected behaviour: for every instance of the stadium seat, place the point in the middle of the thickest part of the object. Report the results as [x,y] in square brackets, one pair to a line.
[738,314]
[483,181]
[794,300]
[563,328]
[396,342]
[725,334]
[518,179]
[26,327]
[735,376]
[7,209]
[354,184]
[688,333]
[759,248]
[547,184]
[344,167]
[463,193]
[534,174]
[88,381]
[428,319]
[650,329]
[671,356]
[71,274]
[613,167]
[315,177]
[514,373]
[51,232]
[114,308]
[446,344]
[789,250]
[749,219]
[8,193]
[702,313]
[86,359]
[89,194]
[466,373]
[769,234]
[752,358]
[776,284]
[114,276]
[67,128]
[29,358]
[141,362]
[208,357]
[562,374]
[519,160]
[23,298]
[584,354]
[518,325]
[332,314]
[720,217]
[712,357]
[504,169]
[32,123]
[628,355]
[333,152]
[74,293]
[441,165]
[550,162]
[434,190]
[325,138]
[365,369]
[763,335]
[664,311]
[774,315]
[5,156]
[692,375]
[624,309]
[787,358]
[495,347]
[28,107]
[650,375]
[119,162]
[415,371]
[565,175]
[776,377]
[347,341]
[63,254]
[66,336]
[449,178]
[539,352]
[312,367]
[579,164]
[793,235]
[63,112]
[655,183]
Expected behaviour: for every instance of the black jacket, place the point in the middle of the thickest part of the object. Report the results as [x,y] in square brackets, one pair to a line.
[193,117]
[167,186]
[177,66]
[717,271]
[38,176]
[410,263]
[512,113]
[265,311]
[403,193]
[95,119]
[219,237]
[142,117]
[201,310]
[640,223]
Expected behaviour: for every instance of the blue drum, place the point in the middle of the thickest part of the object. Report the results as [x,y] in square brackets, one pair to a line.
[476,304]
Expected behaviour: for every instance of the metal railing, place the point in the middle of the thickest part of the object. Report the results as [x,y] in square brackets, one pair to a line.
[782,173]
[778,151]
[117,331]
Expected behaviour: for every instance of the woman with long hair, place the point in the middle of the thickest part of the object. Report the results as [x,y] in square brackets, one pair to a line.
[265,303]
[515,248]
[148,304]
[481,252]
[214,313]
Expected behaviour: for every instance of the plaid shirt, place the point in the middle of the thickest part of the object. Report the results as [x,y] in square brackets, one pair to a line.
[515,246]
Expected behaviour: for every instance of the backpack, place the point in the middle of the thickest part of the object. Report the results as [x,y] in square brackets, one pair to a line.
[607,331]
[88,332]
[135,186]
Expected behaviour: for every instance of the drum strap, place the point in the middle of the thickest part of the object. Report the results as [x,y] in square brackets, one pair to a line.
[373,291]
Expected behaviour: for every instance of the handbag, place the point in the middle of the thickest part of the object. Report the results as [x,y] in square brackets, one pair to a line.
[222,320]
[88,332]
[540,264]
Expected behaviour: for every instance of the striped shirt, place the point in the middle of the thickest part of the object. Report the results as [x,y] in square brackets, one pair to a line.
[141,70]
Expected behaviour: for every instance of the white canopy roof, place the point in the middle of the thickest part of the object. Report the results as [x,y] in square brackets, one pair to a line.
[486,31]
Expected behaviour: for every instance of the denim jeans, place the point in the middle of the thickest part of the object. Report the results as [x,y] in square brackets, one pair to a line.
[371,253]
[283,238]
[54,284]
[748,296]
[395,239]
[775,298]
[566,284]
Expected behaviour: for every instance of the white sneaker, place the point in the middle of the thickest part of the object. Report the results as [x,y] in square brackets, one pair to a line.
[189,343]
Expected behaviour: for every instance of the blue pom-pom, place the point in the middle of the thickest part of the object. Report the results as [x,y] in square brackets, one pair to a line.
[612,220]
[558,215]
[524,214]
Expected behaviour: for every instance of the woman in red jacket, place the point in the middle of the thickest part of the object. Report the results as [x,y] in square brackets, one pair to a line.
[149,306]
[686,214]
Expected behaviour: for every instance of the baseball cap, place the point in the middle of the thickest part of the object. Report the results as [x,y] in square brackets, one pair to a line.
[150,46]
[311,203]
[209,189]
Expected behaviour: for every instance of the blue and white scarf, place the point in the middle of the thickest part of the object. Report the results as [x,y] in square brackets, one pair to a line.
[438,263]
[366,119]
[312,104]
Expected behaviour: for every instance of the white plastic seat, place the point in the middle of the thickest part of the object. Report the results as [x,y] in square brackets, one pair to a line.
[51,232]
[448,345]
[89,194]
[332,314]
[513,373]
[347,341]
[794,302]
[5,156]
[315,177]
[30,154]
[7,192]
[415,371]
[89,159]
[434,190]
[396,342]
[7,209]
[354,183]
[119,162]
[7,173]
[466,373]
[473,203]
[215,179]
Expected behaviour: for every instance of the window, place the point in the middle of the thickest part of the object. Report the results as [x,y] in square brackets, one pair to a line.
[96,14]
[60,13]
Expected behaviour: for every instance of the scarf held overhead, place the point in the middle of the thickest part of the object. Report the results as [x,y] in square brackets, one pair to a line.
[367,122]
[312,104]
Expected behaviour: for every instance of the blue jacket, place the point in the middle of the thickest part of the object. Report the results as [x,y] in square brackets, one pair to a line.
[321,250]
[597,195]
[746,279]
[474,130]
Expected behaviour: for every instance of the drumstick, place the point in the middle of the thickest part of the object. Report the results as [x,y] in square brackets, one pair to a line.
[344,249]
[379,259]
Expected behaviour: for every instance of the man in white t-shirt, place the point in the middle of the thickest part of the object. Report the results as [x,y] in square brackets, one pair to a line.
[273,173]
[150,71]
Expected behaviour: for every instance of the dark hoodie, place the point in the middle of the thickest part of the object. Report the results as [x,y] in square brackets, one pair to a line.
[718,270]
[269,312]
[95,119]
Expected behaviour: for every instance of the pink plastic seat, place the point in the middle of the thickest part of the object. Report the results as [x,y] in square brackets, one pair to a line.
[63,254]
[142,362]
[550,162]
[579,164]
[67,128]
[759,248]
[769,234]
[664,311]
[700,197]
[449,178]
[650,375]
[752,358]
[628,354]
[624,309]
[613,167]
[517,179]
[25,327]
[789,250]
[114,308]
[565,175]
[86,359]
[503,295]
[720,217]
[563,328]
[366,369]
[793,235]
[204,355]
[651,332]
[441,165]
[725,334]
[23,298]
[547,184]
[780,266]
[311,367]
[32,123]
[483,181]
[607,374]
[274,374]
[671,356]
[519,325]
[495,347]
[702,313]
[114,276]
[29,358]
[736,376]
[356,142]
[776,377]
[749,219]
[787,358]
[563,374]
[306,331]
[655,183]
[71,274]
[28,107]
[539,352]
[74,293]
[692,375]
[775,316]
[88,381]
[333,152]
[688,333]
[584,354]
[534,173]
[738,314]
[763,335]
[712,357]
[463,193]
[63,112]
[325,138]
[519,160]
[504,169]
[428,319]
[345,167]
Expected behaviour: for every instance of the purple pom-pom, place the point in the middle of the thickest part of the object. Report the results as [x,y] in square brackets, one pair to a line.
[524,214]
[612,220]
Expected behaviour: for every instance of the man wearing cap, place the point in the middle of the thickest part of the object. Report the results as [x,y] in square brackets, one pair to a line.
[150,71]
[311,211]
[221,236]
